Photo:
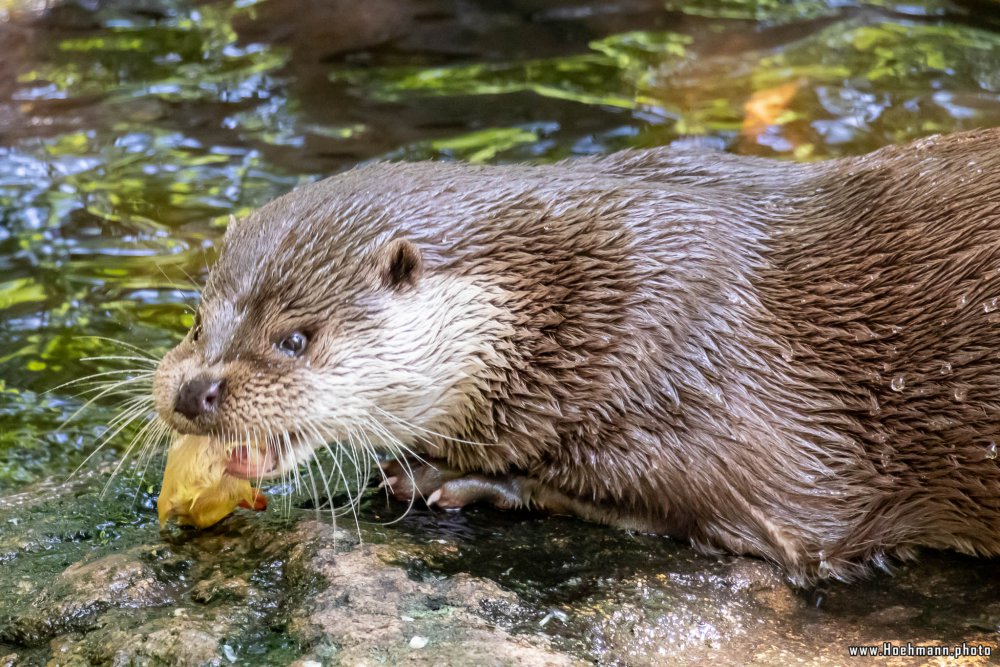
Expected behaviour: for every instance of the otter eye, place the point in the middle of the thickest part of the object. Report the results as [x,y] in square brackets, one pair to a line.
[294,344]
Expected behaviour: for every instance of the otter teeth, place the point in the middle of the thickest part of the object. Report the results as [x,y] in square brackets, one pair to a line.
[250,461]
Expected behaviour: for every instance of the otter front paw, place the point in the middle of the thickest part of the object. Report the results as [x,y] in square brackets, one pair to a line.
[448,489]
[408,480]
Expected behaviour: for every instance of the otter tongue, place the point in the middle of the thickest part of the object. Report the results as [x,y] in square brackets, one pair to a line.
[250,462]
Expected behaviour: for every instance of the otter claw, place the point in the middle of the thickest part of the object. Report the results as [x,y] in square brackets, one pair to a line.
[410,481]
[448,489]
[446,499]
[436,499]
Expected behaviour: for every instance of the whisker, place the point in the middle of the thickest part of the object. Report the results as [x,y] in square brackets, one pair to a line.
[256,442]
[286,482]
[122,392]
[138,375]
[362,465]
[115,357]
[287,446]
[194,284]
[136,403]
[322,435]
[125,455]
[147,451]
[392,447]
[358,456]
[353,500]
[315,491]
[126,418]
[125,390]
[104,392]
[319,441]
[122,343]
[179,286]
[396,442]
[410,425]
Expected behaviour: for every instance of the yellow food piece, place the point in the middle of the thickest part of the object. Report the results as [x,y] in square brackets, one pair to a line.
[196,490]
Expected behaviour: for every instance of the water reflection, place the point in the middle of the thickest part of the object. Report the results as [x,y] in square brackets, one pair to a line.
[132,130]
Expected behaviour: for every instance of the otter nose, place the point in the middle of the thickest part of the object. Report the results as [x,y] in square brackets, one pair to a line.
[199,396]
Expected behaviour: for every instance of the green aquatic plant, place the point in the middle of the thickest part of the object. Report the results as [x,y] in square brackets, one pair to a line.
[161,126]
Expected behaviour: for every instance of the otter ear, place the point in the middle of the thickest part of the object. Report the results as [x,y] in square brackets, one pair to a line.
[399,264]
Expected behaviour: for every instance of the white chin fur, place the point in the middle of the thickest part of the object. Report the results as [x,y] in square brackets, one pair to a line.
[420,370]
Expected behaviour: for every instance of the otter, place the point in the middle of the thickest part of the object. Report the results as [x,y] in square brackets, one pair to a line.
[799,362]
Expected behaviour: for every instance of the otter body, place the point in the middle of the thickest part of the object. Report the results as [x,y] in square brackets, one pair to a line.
[798,362]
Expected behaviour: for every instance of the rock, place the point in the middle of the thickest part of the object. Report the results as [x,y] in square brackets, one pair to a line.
[77,598]
[366,607]
[479,587]
[180,641]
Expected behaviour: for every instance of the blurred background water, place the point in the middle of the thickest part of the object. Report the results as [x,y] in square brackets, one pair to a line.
[130,130]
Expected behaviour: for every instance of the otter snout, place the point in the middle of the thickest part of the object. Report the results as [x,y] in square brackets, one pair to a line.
[199,396]
[190,396]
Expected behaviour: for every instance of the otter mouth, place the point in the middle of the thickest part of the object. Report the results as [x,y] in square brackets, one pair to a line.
[264,457]
[252,462]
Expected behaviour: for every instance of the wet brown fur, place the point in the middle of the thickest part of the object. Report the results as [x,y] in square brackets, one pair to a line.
[794,361]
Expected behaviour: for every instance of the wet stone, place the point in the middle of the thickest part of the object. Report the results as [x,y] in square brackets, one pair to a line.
[76,599]
[366,606]
[476,587]
[184,641]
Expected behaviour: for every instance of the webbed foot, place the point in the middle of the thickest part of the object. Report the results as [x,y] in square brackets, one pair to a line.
[441,486]
[449,489]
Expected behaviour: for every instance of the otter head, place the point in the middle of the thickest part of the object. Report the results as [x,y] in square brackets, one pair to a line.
[326,322]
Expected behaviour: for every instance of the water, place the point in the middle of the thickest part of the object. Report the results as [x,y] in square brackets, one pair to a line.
[130,130]
[133,130]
